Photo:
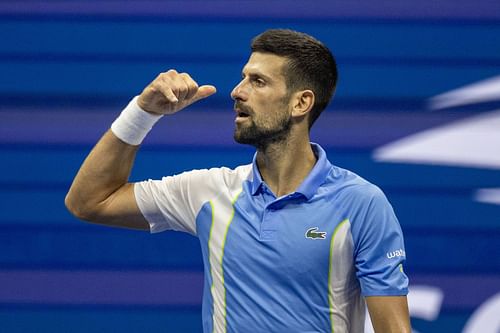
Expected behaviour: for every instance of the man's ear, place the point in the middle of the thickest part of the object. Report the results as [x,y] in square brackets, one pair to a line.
[303,102]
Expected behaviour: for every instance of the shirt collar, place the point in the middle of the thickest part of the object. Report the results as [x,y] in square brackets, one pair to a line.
[310,184]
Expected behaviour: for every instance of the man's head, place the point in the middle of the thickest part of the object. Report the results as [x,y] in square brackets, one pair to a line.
[310,64]
[286,83]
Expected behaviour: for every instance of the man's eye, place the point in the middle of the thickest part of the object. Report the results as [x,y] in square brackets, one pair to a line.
[260,82]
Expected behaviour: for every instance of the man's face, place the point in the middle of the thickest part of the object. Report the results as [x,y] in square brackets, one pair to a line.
[262,102]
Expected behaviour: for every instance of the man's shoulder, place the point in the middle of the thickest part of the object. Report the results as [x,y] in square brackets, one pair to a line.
[348,183]
[236,175]
[220,175]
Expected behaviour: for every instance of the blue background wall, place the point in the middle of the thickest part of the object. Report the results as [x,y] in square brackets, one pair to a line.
[68,67]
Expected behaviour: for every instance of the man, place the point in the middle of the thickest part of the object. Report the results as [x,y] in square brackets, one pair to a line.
[290,242]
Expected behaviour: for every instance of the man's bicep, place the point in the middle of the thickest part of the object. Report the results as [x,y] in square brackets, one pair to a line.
[389,314]
[121,210]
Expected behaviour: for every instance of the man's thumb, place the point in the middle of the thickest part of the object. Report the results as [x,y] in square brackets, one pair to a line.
[204,92]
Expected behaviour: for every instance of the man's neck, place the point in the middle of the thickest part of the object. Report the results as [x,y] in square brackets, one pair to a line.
[284,165]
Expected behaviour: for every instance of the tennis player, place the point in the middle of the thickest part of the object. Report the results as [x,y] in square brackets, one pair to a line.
[290,242]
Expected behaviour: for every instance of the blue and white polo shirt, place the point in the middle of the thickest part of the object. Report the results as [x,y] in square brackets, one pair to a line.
[297,263]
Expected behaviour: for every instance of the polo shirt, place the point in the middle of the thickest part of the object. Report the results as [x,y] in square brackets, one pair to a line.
[302,262]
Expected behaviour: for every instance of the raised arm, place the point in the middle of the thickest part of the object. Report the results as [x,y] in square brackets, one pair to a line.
[100,192]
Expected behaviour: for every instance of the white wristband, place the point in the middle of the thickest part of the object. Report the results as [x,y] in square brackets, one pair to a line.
[133,124]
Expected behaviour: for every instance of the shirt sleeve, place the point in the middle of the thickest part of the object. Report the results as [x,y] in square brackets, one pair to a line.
[173,202]
[379,251]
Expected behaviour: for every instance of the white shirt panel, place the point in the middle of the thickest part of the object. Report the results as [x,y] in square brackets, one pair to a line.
[174,202]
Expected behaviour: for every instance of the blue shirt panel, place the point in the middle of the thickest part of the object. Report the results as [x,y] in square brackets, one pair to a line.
[275,277]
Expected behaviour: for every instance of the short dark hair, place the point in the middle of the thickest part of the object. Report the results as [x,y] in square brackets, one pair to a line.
[310,64]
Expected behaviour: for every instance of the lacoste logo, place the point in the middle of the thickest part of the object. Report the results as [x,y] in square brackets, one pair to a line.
[313,233]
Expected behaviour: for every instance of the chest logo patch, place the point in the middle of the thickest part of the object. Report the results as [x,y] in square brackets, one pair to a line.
[313,233]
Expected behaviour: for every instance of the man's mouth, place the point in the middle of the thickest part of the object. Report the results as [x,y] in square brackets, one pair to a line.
[242,111]
[241,114]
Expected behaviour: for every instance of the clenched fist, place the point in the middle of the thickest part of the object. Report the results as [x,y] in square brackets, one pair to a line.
[171,92]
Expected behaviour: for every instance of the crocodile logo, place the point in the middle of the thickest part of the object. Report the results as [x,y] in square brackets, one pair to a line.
[313,233]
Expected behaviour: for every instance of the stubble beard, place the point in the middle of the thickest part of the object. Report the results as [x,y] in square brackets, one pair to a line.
[261,137]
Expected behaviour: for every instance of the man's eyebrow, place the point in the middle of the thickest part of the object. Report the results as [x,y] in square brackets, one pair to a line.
[257,74]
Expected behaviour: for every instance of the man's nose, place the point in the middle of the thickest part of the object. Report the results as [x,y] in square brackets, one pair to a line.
[239,92]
